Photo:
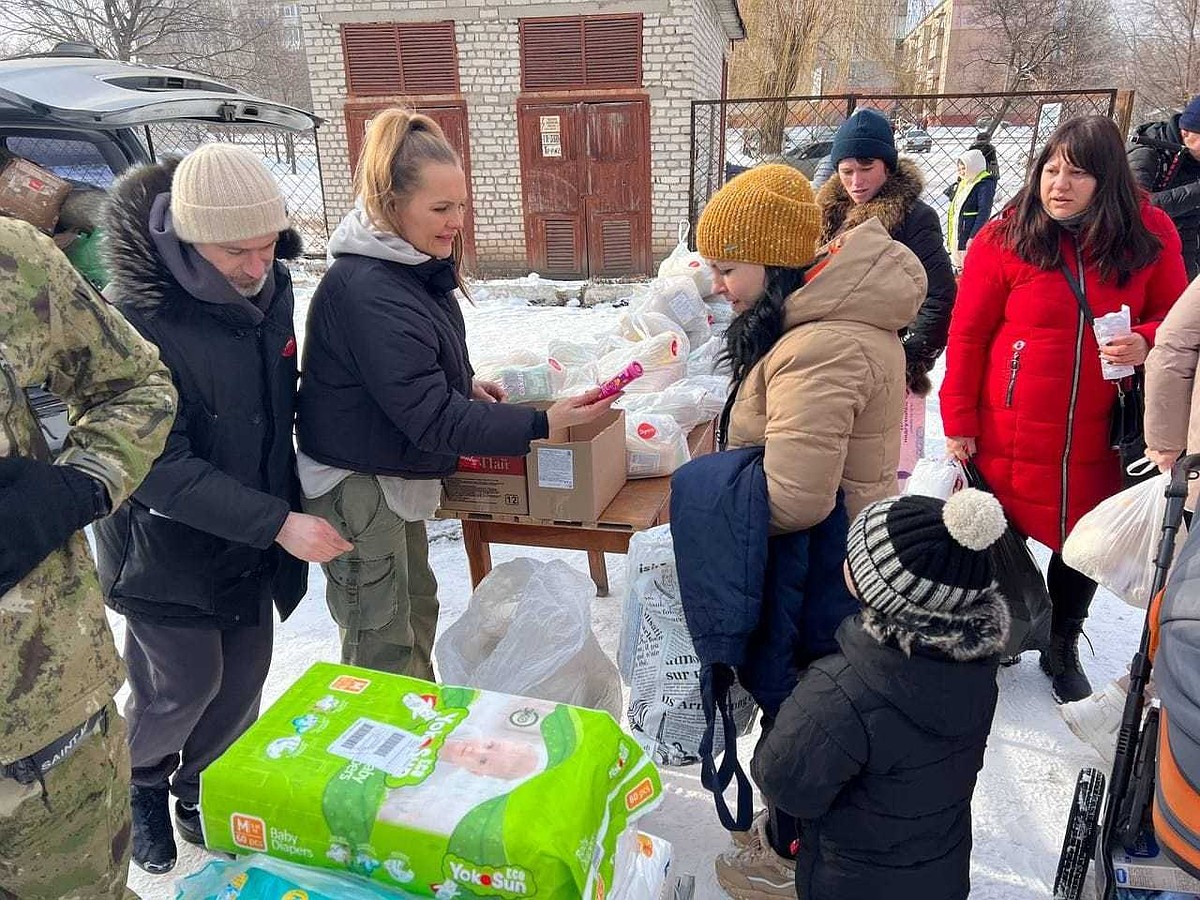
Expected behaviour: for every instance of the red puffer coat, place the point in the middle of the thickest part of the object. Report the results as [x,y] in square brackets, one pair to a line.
[1023,375]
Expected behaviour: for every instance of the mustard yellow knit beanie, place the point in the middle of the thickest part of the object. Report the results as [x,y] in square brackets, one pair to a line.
[766,215]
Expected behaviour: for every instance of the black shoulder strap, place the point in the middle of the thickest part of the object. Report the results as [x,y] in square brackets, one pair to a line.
[1077,290]
[715,683]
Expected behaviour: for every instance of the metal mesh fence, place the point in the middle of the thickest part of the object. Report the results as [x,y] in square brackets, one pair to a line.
[291,156]
[729,136]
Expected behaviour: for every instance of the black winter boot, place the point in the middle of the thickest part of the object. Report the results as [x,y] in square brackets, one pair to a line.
[153,836]
[1061,662]
[187,822]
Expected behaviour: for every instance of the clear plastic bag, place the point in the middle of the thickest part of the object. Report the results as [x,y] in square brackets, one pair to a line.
[688,263]
[260,877]
[528,631]
[1117,542]
[643,863]
[655,445]
[939,478]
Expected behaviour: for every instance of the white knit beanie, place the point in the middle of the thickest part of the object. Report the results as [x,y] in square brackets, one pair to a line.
[222,193]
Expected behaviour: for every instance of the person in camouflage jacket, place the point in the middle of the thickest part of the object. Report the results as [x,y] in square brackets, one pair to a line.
[64,820]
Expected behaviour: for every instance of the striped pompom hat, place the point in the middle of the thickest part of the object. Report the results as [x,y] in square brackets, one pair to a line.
[922,552]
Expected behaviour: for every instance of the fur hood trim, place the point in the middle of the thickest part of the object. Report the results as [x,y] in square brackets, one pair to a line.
[891,205]
[977,632]
[139,277]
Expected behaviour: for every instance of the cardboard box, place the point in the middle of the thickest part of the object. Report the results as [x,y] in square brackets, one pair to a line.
[574,475]
[488,484]
[1151,870]
[29,192]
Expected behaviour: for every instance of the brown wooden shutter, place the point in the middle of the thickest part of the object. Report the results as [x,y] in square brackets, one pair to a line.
[616,247]
[564,255]
[413,58]
[581,52]
[612,51]
[551,54]
[428,58]
[372,57]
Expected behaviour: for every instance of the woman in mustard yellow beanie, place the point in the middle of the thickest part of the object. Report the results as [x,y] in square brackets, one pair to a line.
[818,382]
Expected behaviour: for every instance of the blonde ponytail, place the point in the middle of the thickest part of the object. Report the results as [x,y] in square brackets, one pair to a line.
[398,143]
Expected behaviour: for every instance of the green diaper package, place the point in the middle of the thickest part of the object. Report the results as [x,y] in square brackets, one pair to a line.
[441,791]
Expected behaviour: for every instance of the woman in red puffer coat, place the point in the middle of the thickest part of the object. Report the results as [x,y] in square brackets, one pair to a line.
[1024,394]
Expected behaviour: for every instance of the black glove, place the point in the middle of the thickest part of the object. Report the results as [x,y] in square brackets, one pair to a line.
[41,505]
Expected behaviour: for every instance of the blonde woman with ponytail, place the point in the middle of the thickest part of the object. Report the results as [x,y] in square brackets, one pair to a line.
[389,401]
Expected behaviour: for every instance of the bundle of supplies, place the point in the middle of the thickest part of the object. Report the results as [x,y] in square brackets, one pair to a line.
[439,791]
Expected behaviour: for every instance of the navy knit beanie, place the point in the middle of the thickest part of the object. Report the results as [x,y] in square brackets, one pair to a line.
[1190,120]
[866,135]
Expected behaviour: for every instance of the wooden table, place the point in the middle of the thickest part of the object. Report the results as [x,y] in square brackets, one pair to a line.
[641,504]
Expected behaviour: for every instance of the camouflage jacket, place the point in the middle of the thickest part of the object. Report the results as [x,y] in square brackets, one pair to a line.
[58,663]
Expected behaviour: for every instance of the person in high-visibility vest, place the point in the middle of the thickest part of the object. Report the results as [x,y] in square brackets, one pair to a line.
[970,204]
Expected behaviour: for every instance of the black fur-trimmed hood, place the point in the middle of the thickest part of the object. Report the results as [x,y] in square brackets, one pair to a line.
[975,632]
[892,205]
[138,277]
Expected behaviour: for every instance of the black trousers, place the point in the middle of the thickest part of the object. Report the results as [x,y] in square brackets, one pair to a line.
[1071,593]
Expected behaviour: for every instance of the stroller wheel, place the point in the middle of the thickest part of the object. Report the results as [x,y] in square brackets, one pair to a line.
[1080,838]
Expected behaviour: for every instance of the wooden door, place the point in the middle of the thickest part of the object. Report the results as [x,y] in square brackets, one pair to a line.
[452,119]
[617,182]
[585,169]
[551,178]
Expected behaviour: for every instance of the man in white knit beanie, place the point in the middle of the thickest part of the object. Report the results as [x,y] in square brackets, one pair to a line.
[212,540]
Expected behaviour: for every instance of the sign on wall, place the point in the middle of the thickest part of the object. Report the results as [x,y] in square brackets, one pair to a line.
[551,129]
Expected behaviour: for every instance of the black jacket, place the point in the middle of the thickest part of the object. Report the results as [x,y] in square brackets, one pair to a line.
[912,222]
[877,754]
[1173,180]
[387,381]
[195,545]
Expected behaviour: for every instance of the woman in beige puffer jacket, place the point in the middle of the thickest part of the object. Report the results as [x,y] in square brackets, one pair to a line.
[1172,398]
[818,368]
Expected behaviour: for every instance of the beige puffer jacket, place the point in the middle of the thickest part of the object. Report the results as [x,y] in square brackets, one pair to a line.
[827,400]
[1172,391]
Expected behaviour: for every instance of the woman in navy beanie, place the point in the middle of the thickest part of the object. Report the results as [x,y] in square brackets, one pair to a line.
[871,182]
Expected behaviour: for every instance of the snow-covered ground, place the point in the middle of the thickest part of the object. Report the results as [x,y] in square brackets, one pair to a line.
[1024,790]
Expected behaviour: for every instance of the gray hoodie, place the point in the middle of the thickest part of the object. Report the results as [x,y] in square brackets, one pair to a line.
[357,235]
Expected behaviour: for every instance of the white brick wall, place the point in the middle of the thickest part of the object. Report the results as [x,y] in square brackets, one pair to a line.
[683,45]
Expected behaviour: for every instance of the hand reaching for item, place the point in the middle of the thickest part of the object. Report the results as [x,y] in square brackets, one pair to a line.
[579,410]
[1126,350]
[961,448]
[488,392]
[311,538]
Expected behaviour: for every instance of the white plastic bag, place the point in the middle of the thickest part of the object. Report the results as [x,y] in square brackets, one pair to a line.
[663,358]
[683,261]
[528,631]
[676,298]
[655,445]
[938,478]
[657,657]
[643,862]
[1117,542]
[689,402]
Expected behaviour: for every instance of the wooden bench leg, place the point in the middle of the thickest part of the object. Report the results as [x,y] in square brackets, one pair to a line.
[479,552]
[599,571]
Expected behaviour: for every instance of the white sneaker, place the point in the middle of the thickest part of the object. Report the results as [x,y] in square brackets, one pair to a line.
[1096,720]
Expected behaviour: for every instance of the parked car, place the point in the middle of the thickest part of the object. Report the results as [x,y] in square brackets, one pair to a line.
[805,157]
[916,140]
[86,118]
